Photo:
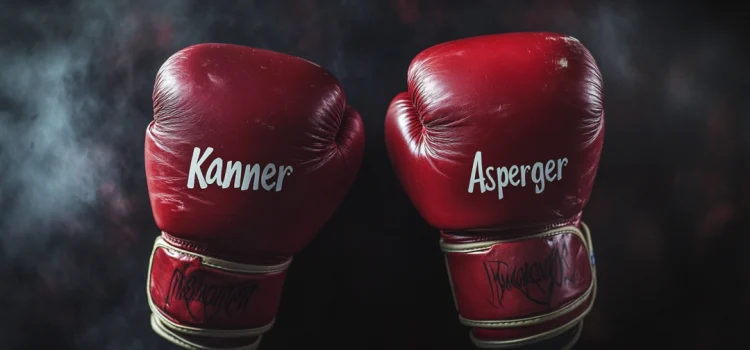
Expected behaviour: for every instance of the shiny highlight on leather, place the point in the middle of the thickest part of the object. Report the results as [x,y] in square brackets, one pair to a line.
[518,98]
[249,154]
[175,273]
[497,139]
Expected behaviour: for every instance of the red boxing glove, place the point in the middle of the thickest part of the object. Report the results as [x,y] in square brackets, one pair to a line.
[249,154]
[497,143]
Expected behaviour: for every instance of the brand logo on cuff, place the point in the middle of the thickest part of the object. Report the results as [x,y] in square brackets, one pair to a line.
[537,281]
[272,177]
[204,300]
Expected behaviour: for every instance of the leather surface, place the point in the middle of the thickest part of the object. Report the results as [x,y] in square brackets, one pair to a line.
[249,154]
[254,107]
[519,99]
[499,137]
[531,331]
[520,279]
[193,294]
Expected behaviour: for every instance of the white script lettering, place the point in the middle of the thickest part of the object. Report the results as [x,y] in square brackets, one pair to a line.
[540,173]
[221,174]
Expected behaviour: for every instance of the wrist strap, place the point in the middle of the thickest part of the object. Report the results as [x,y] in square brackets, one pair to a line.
[577,321]
[180,340]
[195,295]
[502,268]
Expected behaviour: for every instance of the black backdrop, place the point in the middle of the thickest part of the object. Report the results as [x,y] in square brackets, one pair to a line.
[669,211]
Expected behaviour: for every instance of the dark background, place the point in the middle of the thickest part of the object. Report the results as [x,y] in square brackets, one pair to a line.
[669,211]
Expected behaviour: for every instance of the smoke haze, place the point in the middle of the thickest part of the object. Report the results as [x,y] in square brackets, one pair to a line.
[75,222]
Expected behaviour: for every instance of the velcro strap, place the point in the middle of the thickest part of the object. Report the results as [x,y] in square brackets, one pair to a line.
[192,295]
[524,283]
[562,338]
[183,340]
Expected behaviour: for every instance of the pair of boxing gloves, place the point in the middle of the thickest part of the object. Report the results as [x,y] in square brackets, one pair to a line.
[496,142]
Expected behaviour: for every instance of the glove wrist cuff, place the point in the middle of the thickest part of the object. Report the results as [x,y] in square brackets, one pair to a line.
[518,291]
[204,302]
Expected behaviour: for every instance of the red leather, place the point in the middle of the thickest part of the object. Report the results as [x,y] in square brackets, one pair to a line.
[523,277]
[498,138]
[532,331]
[193,294]
[249,154]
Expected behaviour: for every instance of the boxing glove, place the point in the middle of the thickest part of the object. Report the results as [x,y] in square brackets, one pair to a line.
[249,154]
[497,142]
